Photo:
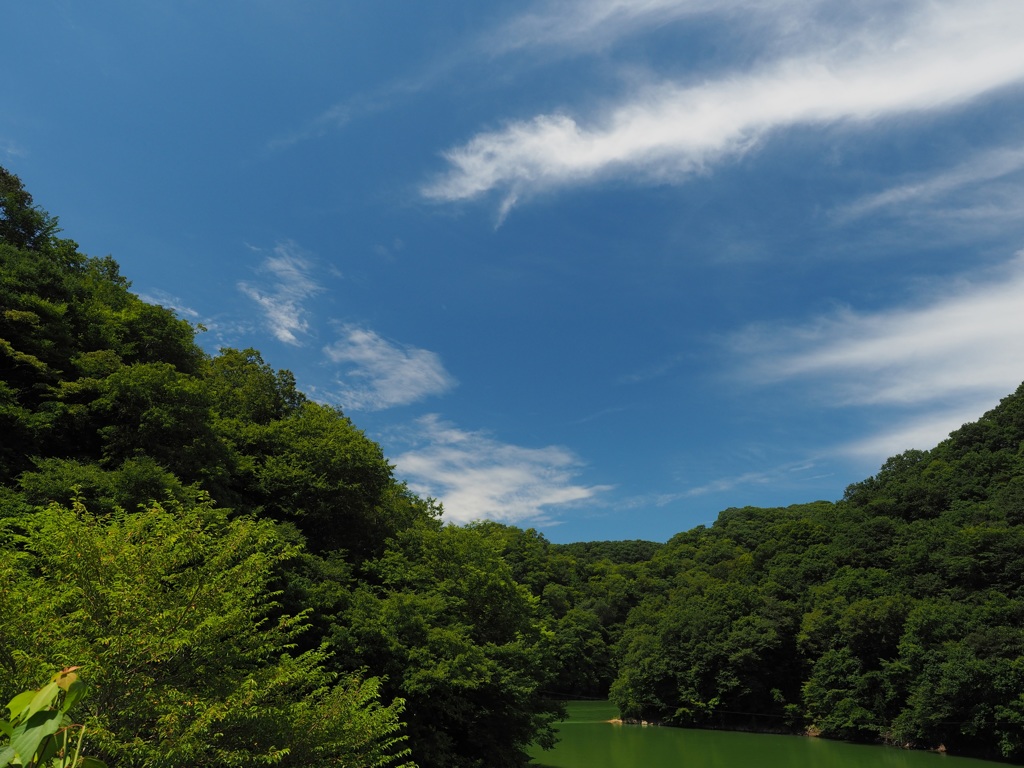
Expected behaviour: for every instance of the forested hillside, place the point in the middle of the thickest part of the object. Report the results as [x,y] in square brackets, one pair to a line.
[896,614]
[234,566]
[244,581]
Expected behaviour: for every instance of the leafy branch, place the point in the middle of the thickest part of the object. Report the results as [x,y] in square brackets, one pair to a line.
[40,732]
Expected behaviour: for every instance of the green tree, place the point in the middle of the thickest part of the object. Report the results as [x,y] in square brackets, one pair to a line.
[154,410]
[314,468]
[461,641]
[172,611]
[22,224]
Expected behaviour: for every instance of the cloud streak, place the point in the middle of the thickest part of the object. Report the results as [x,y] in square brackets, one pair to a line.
[583,24]
[380,374]
[944,361]
[981,169]
[720,485]
[11,148]
[282,302]
[333,118]
[477,477]
[173,303]
[970,340]
[940,56]
[921,432]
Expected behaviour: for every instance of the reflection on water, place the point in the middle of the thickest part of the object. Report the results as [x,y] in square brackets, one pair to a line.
[588,740]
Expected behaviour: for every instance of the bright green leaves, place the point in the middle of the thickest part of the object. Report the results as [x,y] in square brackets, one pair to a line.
[28,736]
[40,733]
[67,324]
[175,612]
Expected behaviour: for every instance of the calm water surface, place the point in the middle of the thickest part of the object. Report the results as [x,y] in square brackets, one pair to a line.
[589,741]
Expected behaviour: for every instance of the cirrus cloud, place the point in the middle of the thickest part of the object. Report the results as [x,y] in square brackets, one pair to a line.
[381,374]
[935,365]
[582,24]
[282,297]
[937,56]
[969,339]
[477,477]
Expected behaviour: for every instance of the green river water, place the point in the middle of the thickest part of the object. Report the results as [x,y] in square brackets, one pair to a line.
[587,740]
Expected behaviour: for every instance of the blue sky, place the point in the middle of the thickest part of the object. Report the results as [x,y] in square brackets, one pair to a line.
[599,267]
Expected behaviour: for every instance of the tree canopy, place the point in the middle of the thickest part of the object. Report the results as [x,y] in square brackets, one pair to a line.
[221,554]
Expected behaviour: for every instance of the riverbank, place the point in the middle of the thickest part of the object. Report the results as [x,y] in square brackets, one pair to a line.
[586,741]
[812,732]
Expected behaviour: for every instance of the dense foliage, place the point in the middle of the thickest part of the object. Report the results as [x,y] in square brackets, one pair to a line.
[896,614]
[244,581]
[234,566]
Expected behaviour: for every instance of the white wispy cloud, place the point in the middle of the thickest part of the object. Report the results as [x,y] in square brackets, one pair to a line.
[340,114]
[589,23]
[477,477]
[334,117]
[921,432]
[934,365]
[931,56]
[978,171]
[968,340]
[282,300]
[168,301]
[381,374]
[12,148]
[772,476]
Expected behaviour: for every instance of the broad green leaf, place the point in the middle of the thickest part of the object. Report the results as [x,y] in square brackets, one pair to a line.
[7,728]
[75,691]
[43,699]
[29,736]
[46,751]
[20,702]
[91,762]
[6,755]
